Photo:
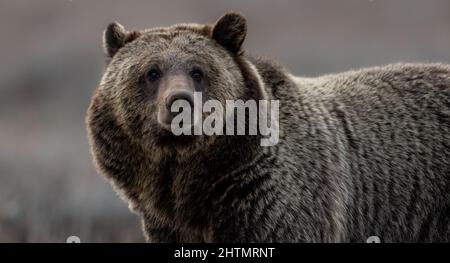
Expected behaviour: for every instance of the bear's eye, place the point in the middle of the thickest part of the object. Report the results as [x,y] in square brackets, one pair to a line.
[153,75]
[197,75]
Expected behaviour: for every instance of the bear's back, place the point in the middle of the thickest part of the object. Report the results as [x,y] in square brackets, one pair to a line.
[381,138]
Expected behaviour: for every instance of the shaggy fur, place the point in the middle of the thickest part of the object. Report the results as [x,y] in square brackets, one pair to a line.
[361,153]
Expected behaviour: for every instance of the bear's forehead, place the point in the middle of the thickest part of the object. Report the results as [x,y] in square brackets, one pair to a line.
[178,41]
[172,31]
[178,45]
[181,37]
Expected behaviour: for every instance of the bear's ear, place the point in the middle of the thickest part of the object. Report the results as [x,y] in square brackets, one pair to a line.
[229,31]
[115,36]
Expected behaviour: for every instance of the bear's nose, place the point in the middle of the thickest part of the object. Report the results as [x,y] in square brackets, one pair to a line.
[179,95]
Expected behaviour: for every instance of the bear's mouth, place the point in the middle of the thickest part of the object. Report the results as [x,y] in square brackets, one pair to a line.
[165,138]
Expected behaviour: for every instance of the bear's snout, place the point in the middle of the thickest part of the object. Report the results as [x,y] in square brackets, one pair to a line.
[179,95]
[174,103]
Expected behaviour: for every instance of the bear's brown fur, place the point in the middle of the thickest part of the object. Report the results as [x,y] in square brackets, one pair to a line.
[361,153]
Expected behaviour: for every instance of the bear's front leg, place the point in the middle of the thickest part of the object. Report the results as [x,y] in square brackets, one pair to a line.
[239,227]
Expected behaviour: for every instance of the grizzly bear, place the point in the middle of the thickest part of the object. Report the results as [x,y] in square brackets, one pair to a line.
[362,153]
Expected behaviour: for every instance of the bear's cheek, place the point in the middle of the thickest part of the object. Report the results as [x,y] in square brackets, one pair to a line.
[139,118]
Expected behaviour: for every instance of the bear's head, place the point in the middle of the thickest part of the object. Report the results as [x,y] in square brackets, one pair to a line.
[149,70]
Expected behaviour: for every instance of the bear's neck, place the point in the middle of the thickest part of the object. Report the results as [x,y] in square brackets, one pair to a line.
[226,154]
[197,183]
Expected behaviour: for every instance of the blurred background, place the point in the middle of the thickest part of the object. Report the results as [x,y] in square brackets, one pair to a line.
[51,60]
